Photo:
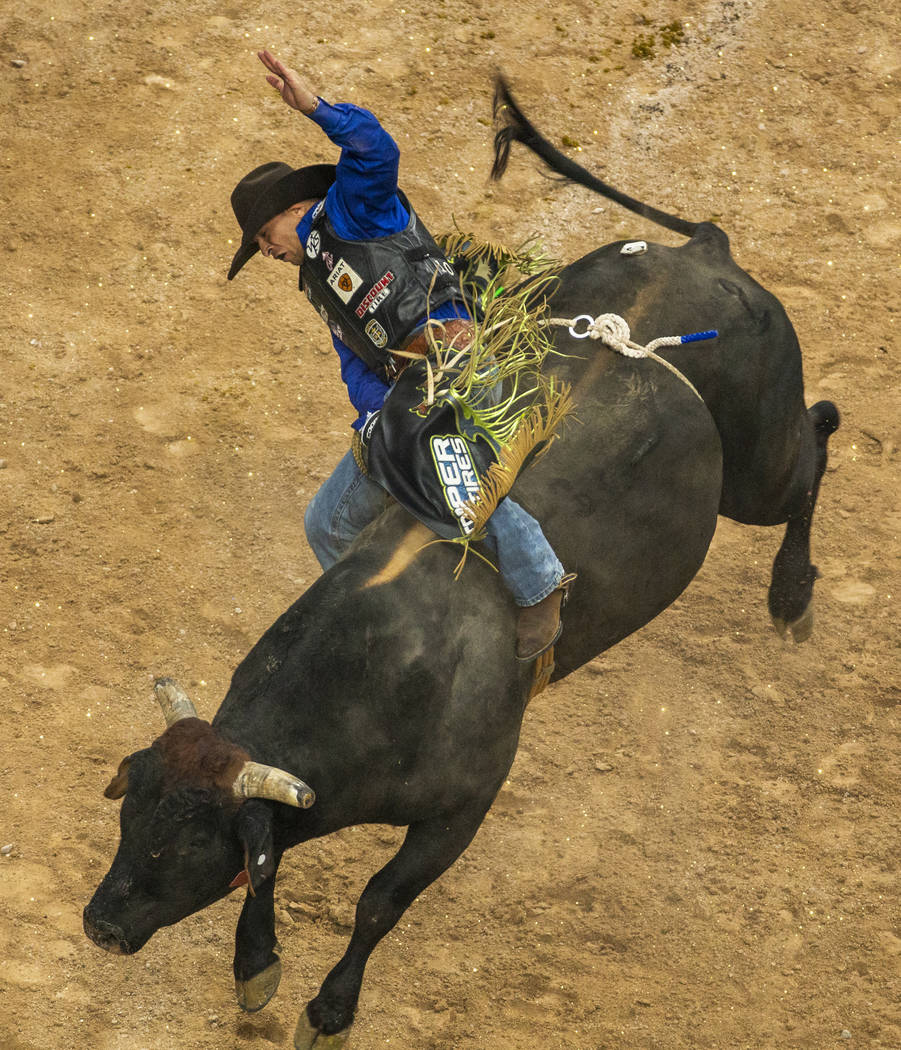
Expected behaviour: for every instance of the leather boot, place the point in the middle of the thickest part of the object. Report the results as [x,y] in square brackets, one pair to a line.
[539,626]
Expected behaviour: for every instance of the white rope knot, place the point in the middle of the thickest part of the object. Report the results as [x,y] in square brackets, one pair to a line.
[613,331]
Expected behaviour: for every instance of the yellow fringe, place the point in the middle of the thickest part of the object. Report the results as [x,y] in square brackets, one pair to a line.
[526,259]
[544,668]
[538,427]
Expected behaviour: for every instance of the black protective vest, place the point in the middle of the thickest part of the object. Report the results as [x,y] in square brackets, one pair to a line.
[374,294]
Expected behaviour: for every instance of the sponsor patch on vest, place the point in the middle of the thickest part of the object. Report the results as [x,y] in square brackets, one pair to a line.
[344,280]
[329,260]
[366,432]
[317,210]
[378,293]
[457,474]
[376,333]
[313,242]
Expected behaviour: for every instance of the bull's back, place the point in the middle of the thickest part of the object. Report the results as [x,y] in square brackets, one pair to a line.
[750,376]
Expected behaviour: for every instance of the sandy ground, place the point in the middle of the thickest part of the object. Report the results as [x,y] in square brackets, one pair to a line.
[699,840]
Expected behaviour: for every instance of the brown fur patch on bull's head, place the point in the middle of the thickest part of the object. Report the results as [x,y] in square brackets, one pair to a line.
[194,755]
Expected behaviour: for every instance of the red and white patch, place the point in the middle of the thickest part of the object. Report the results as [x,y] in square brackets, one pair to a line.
[377,294]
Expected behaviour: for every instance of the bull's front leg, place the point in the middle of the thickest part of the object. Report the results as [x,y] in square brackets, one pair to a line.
[258,968]
[429,848]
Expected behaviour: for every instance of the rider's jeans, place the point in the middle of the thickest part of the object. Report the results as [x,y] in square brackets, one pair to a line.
[348,501]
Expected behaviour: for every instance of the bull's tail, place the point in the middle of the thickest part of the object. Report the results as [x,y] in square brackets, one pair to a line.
[516,128]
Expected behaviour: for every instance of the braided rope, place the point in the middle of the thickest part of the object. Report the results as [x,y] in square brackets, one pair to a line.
[613,331]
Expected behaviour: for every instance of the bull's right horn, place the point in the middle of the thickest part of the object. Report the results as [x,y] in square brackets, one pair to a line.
[257,780]
[173,700]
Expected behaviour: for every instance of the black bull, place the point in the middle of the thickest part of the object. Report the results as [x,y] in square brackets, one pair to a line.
[393,690]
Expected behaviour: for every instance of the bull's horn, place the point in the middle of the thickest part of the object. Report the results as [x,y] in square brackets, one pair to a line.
[173,700]
[260,781]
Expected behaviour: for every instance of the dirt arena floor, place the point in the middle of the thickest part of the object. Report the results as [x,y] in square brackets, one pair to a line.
[698,844]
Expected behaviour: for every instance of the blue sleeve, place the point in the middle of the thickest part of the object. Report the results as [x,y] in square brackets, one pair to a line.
[364,388]
[363,202]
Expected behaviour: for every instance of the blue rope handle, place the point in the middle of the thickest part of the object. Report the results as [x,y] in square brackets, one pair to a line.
[697,337]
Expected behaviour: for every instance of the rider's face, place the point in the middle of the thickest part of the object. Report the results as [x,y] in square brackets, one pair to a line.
[278,238]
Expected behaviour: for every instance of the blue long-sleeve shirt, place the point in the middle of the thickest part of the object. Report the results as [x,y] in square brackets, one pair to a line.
[362,204]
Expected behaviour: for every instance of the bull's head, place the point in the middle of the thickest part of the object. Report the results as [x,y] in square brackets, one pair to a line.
[192,827]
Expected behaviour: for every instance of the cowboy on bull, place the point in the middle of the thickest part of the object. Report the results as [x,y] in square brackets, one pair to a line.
[378,279]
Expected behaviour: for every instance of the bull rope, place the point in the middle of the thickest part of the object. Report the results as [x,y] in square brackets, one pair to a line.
[613,331]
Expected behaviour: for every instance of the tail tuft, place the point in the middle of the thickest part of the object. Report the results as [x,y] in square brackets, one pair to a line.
[513,126]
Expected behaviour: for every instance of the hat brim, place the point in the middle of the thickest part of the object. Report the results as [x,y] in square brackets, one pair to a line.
[245,252]
[310,183]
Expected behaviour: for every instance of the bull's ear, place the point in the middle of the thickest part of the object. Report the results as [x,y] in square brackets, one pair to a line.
[117,787]
[254,828]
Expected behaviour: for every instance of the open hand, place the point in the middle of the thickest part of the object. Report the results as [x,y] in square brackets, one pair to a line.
[288,84]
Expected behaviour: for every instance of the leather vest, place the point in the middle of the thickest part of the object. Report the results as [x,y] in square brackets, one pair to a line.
[375,294]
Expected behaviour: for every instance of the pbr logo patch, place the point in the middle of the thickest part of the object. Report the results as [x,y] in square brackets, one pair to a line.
[344,280]
[313,242]
[376,333]
[457,474]
[378,293]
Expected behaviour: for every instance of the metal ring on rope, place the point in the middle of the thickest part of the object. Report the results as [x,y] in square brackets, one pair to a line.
[588,319]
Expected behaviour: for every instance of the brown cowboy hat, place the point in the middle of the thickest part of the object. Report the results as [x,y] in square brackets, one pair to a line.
[269,190]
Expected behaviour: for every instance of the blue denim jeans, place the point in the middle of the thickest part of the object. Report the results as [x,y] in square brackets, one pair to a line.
[348,501]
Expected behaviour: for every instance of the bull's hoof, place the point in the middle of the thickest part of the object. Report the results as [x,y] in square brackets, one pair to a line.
[800,629]
[254,993]
[306,1037]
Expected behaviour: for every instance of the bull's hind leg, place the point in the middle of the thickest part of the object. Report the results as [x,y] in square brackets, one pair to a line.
[791,587]
[429,848]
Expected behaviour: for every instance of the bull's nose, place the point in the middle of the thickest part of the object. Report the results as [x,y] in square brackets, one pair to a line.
[106,935]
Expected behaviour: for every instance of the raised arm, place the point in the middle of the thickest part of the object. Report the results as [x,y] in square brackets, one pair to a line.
[364,201]
[288,84]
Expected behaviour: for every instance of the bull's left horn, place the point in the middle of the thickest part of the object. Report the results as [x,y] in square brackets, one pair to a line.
[173,700]
[261,781]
